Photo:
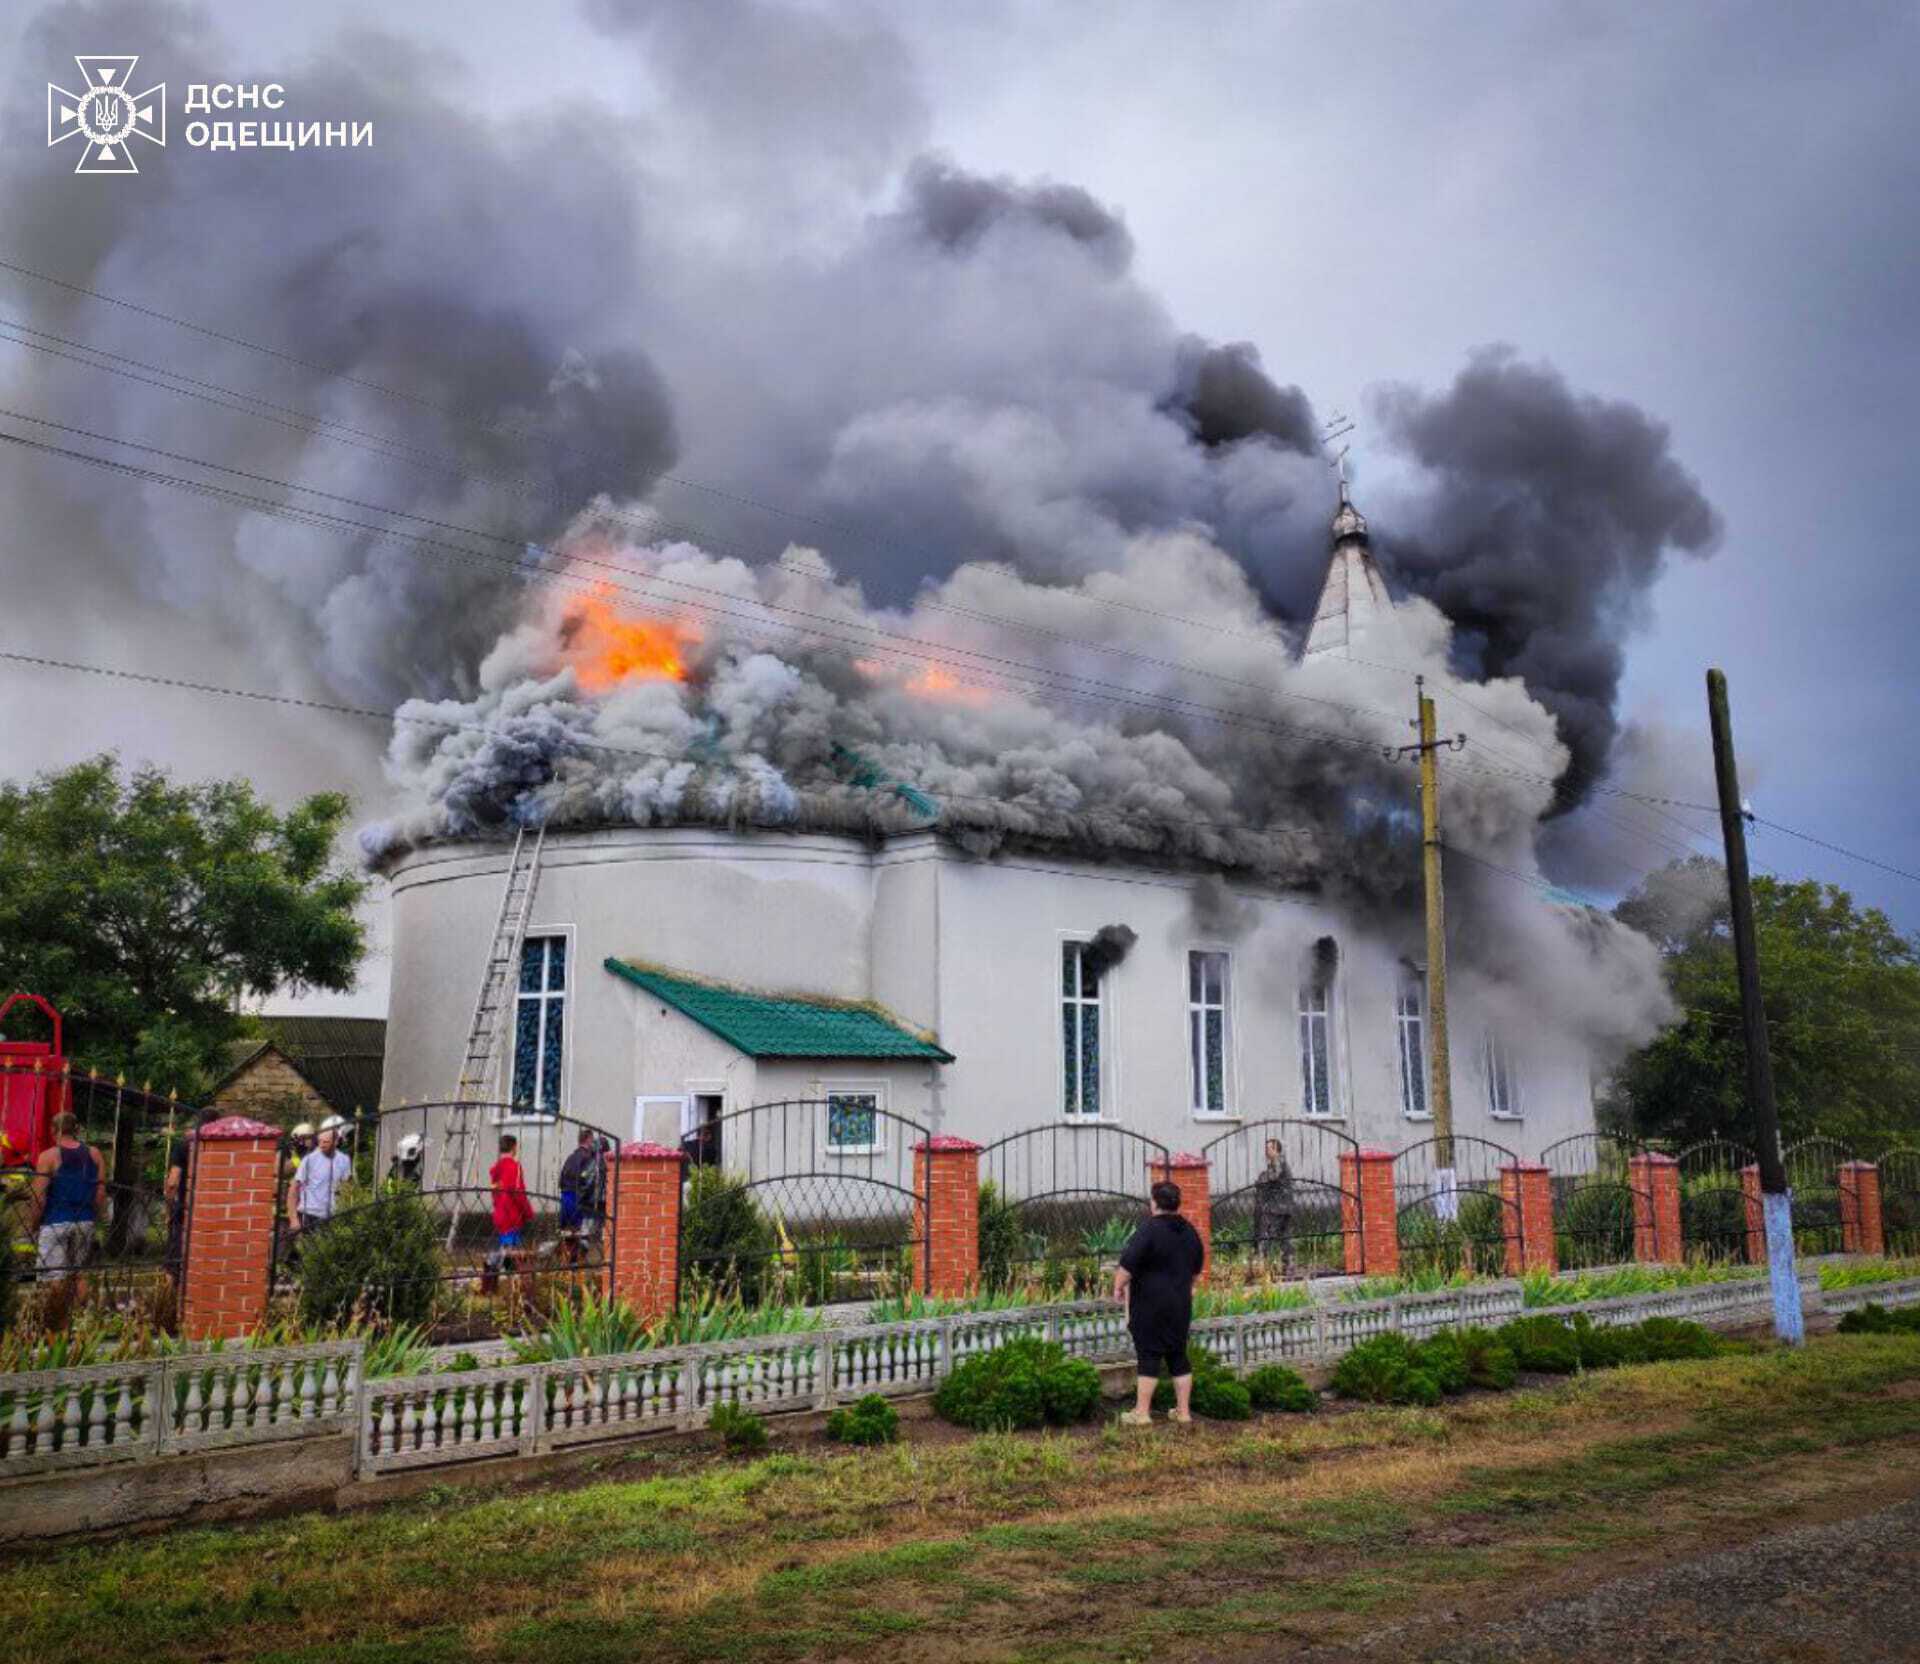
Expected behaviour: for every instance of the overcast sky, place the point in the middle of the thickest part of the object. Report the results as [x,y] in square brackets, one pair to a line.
[1709,210]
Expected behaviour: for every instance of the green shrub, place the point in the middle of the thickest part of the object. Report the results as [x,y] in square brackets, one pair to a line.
[1490,1361]
[1276,1387]
[725,1237]
[1386,1370]
[1661,1338]
[10,1258]
[379,1256]
[741,1431]
[587,1325]
[1443,1357]
[1003,1243]
[1541,1345]
[870,1420]
[1026,1383]
[1875,1319]
[1220,1397]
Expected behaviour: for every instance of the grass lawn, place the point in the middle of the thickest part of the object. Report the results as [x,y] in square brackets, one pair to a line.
[1106,1544]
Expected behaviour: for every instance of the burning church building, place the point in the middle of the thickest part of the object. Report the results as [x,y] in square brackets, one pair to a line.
[1126,851]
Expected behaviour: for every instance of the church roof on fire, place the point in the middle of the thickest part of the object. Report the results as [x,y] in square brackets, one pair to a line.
[781,1025]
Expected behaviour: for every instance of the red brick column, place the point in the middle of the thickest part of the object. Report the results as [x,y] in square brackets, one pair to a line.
[1655,1181]
[1861,1227]
[232,1185]
[1756,1216]
[946,1174]
[1526,1196]
[1195,1179]
[645,1267]
[1372,1223]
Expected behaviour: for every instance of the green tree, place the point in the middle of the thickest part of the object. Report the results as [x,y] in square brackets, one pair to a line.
[1841,988]
[146,910]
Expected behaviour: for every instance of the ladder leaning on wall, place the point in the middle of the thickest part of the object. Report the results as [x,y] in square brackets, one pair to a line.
[458,1168]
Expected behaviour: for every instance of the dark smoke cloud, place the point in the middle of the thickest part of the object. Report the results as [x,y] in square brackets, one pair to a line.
[478,269]
[955,209]
[1543,519]
[1228,397]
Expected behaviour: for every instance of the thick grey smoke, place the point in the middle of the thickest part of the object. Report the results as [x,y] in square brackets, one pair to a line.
[1543,518]
[481,270]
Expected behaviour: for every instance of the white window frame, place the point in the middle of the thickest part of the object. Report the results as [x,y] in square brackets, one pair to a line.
[875,1089]
[1422,1061]
[1499,1062]
[1197,1012]
[511,1113]
[1336,1109]
[1062,999]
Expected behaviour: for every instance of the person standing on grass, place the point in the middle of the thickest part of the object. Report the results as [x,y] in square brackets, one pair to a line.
[69,1197]
[1155,1282]
[512,1211]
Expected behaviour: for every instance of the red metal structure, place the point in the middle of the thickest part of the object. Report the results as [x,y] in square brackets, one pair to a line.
[34,1088]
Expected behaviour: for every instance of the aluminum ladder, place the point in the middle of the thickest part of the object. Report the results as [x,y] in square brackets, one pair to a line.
[480,1063]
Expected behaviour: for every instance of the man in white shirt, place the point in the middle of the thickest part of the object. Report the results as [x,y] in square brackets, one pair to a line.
[317,1181]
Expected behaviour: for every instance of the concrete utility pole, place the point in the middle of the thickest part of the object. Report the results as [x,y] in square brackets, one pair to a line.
[1775,1199]
[1440,1076]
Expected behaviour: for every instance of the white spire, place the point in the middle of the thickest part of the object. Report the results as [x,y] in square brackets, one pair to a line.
[1353,601]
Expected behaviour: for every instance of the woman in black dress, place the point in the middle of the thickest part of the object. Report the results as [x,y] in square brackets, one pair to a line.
[1155,1281]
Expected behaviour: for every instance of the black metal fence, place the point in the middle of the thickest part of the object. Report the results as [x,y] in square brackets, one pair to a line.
[1451,1214]
[1713,1200]
[1597,1201]
[1059,1201]
[1900,1199]
[807,1201]
[127,1257]
[1281,1197]
[442,1232]
[1823,1196]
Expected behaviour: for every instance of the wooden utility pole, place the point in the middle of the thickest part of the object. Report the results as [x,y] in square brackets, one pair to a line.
[1776,1200]
[1440,1076]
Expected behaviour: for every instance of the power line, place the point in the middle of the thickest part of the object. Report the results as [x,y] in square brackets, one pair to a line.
[575,743]
[1066,683]
[648,521]
[686,481]
[1837,849]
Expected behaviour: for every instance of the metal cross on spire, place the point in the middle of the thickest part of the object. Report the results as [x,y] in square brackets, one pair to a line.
[1338,428]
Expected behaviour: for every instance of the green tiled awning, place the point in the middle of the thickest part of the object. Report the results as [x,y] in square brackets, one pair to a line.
[782,1025]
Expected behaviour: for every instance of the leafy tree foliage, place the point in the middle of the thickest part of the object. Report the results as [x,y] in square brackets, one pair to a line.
[147,910]
[1841,987]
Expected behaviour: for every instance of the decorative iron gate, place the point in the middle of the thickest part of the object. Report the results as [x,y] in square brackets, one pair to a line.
[1596,1204]
[1819,1205]
[1059,1201]
[1450,1212]
[136,1247]
[1281,1198]
[1900,1200]
[1713,1201]
[809,1201]
[465,1278]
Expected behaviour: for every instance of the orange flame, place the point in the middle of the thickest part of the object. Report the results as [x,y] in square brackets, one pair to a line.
[607,648]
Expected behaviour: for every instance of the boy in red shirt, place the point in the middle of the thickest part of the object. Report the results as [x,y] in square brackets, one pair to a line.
[512,1211]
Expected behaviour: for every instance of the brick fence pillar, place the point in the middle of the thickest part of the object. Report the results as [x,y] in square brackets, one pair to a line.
[1369,1218]
[645,1264]
[1756,1216]
[232,1185]
[946,1177]
[1195,1179]
[1655,1182]
[1862,1230]
[1526,1207]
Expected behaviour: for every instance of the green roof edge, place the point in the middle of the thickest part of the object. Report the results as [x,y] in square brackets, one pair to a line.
[649,978]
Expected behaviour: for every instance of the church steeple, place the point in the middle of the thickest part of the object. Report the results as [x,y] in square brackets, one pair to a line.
[1353,601]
